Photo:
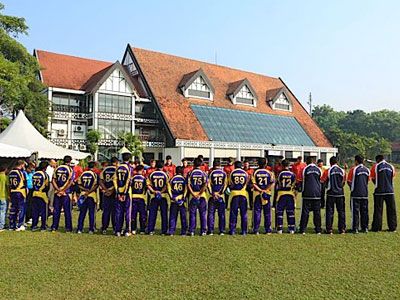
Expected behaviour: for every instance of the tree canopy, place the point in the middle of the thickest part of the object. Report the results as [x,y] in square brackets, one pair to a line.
[19,85]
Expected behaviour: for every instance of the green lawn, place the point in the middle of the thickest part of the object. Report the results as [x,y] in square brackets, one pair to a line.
[59,265]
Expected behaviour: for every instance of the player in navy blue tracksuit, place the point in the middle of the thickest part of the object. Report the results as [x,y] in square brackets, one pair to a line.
[310,179]
[382,174]
[358,179]
[334,179]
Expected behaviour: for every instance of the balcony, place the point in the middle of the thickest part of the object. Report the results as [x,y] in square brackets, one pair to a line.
[69,108]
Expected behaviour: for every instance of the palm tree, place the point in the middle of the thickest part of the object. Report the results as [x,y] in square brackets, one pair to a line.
[133,143]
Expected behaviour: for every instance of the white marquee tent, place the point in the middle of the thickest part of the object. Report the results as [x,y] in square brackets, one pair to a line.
[9,151]
[21,133]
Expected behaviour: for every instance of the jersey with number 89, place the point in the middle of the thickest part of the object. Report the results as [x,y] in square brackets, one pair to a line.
[238,180]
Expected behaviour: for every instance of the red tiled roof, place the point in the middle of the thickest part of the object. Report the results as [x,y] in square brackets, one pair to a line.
[69,72]
[164,73]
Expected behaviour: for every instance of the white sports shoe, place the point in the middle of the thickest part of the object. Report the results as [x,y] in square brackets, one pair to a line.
[134,232]
[79,232]
[127,234]
[291,231]
[22,228]
[279,231]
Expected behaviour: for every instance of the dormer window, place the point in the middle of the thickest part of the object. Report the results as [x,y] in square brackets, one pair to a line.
[279,100]
[197,85]
[282,103]
[241,92]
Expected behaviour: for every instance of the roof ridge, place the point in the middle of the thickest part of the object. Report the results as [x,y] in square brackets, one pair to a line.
[204,62]
[73,56]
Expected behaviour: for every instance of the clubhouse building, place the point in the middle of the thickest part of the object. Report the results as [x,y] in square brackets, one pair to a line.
[177,106]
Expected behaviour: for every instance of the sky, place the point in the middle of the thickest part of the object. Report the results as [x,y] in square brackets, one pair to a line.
[346,53]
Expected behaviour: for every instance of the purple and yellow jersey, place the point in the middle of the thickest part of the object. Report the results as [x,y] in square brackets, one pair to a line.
[217,181]
[197,180]
[107,176]
[63,176]
[122,179]
[158,180]
[17,182]
[263,178]
[177,188]
[41,184]
[138,187]
[89,182]
[286,183]
[237,183]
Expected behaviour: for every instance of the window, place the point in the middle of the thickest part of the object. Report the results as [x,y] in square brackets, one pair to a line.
[245,96]
[288,154]
[199,88]
[69,103]
[116,82]
[111,128]
[282,103]
[324,157]
[115,104]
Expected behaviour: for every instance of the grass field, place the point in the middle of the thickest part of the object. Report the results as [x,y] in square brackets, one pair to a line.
[69,266]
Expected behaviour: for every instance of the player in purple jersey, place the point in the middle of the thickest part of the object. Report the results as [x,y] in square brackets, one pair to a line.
[263,181]
[286,195]
[40,201]
[139,196]
[109,198]
[238,198]
[63,178]
[123,206]
[197,185]
[157,183]
[177,193]
[217,184]
[18,193]
[88,183]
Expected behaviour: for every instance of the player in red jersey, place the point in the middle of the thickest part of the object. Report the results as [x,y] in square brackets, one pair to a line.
[169,168]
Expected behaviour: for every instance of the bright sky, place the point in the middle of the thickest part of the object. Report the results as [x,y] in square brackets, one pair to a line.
[347,53]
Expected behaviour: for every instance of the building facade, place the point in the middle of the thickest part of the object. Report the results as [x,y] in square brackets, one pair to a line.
[177,106]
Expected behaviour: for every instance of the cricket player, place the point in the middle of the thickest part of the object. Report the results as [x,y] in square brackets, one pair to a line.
[177,189]
[139,196]
[310,181]
[197,185]
[335,178]
[123,206]
[109,196]
[186,167]
[88,183]
[217,184]
[238,198]
[382,175]
[286,196]
[151,168]
[40,200]
[18,193]
[263,182]
[169,168]
[157,184]
[63,179]
[358,179]
[249,188]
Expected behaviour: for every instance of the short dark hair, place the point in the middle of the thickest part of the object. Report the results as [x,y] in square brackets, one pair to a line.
[309,160]
[126,156]
[262,162]
[43,165]
[246,161]
[179,170]
[91,164]
[2,168]
[320,161]
[168,157]
[200,156]
[67,159]
[197,162]
[20,162]
[159,164]
[114,159]
[238,164]
[379,158]
[184,159]
[216,163]
[285,163]
[333,160]
[139,168]
[359,159]
[299,157]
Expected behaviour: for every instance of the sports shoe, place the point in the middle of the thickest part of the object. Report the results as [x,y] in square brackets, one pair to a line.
[279,232]
[191,233]
[134,232]
[91,232]
[79,232]
[1,230]
[221,233]
[22,228]
[203,234]
[142,232]
[151,233]
[291,231]
[118,234]
[35,229]
[104,232]
[128,234]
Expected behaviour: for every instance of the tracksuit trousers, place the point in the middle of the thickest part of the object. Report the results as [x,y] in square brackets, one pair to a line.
[359,214]
[238,202]
[153,209]
[174,211]
[213,206]
[314,206]
[139,210]
[266,210]
[201,206]
[339,202]
[17,210]
[389,200]
[285,202]
[39,209]
[109,203]
[123,211]
[59,203]
[88,205]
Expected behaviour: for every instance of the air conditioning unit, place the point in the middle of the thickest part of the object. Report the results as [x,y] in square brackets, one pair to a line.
[61,132]
[82,147]
[76,147]
[77,128]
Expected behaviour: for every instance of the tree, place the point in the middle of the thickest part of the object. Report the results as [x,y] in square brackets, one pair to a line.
[19,86]
[133,143]
[93,137]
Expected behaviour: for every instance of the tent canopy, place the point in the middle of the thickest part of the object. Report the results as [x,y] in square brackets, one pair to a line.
[21,133]
[13,152]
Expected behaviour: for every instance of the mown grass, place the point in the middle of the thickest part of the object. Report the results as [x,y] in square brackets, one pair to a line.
[69,266]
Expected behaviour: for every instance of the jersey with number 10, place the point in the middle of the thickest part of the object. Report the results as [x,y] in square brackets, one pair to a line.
[158,180]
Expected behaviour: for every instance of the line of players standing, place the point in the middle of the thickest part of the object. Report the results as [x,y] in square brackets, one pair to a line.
[129,192]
